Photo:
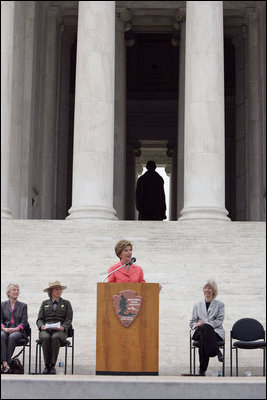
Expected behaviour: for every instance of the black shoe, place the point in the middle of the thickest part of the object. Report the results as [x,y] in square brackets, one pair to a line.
[53,371]
[46,371]
[220,356]
[202,373]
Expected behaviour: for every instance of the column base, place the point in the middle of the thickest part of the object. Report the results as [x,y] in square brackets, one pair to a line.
[5,213]
[95,212]
[204,213]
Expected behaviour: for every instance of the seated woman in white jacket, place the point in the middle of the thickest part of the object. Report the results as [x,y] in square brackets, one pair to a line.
[206,325]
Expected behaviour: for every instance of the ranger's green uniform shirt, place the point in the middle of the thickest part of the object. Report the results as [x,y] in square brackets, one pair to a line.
[62,314]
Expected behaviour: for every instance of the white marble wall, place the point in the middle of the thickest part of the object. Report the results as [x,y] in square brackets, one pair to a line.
[179,255]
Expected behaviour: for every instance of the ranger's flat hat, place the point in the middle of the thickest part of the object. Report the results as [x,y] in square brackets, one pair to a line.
[53,285]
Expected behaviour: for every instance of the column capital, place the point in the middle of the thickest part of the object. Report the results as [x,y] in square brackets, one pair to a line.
[179,17]
[124,14]
[251,10]
[5,213]
[62,27]
[53,10]
[240,36]
[134,146]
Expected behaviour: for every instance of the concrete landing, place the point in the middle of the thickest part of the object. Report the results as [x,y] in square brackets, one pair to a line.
[137,387]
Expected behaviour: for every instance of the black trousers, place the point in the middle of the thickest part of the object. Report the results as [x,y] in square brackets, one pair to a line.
[208,344]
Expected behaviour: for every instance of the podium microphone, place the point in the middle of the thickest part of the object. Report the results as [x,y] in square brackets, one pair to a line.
[133,259]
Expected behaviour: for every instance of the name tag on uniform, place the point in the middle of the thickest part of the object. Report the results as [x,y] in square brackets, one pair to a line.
[62,305]
[46,305]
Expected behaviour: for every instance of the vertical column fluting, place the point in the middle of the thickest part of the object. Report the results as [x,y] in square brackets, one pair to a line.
[254,184]
[7,50]
[180,140]
[120,122]
[204,169]
[92,194]
[49,113]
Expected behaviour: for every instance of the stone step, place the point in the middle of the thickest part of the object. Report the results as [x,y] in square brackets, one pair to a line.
[95,387]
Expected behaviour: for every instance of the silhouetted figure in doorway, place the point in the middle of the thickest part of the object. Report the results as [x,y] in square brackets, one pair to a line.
[150,196]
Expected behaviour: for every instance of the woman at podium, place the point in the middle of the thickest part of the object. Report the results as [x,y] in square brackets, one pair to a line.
[125,270]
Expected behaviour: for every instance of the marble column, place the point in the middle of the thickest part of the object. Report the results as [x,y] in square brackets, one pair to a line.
[92,193]
[254,184]
[120,121]
[180,140]
[171,171]
[239,41]
[49,114]
[132,151]
[27,110]
[7,36]
[130,182]
[204,175]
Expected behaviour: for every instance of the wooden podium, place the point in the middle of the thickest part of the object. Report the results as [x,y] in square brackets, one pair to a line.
[133,349]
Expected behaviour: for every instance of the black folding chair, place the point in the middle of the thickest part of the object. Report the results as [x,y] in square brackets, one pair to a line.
[26,343]
[66,343]
[249,334]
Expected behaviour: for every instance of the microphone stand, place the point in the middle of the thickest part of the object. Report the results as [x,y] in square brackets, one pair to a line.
[124,265]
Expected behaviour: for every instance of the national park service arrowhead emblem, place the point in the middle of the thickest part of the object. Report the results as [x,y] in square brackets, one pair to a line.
[127,306]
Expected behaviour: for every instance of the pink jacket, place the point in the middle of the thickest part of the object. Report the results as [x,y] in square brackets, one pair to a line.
[135,274]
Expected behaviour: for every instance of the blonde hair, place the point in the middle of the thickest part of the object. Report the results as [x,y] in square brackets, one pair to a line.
[120,246]
[213,285]
[11,286]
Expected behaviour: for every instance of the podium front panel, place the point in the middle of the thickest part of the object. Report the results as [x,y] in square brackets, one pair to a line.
[132,349]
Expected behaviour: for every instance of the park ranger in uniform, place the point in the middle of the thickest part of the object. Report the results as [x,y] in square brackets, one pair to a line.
[54,310]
